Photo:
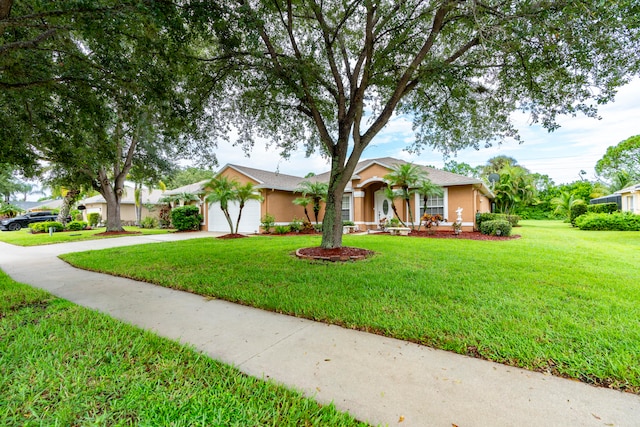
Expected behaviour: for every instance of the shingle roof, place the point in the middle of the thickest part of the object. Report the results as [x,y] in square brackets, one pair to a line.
[437,176]
[195,188]
[128,197]
[634,187]
[266,179]
[280,181]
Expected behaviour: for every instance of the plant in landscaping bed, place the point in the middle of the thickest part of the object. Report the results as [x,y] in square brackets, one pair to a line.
[282,229]
[94,219]
[149,222]
[496,228]
[267,222]
[394,222]
[620,221]
[457,227]
[77,225]
[431,222]
[296,225]
[186,218]
[43,227]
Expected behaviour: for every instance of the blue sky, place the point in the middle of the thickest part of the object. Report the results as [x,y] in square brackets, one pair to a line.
[577,145]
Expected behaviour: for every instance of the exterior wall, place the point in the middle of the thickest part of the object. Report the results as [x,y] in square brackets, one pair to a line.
[127,212]
[280,204]
[631,202]
[233,174]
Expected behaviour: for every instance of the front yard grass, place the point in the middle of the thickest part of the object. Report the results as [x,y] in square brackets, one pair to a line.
[25,238]
[61,364]
[558,300]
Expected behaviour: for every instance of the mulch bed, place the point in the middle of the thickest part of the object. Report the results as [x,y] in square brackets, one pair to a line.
[469,235]
[231,236]
[345,253]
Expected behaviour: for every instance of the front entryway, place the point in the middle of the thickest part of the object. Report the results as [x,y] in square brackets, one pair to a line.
[382,206]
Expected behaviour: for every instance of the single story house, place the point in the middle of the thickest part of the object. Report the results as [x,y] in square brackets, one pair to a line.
[127,205]
[630,198]
[364,201]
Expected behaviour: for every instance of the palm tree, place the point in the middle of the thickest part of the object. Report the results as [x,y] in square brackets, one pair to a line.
[406,176]
[244,193]
[304,202]
[515,187]
[426,188]
[316,191]
[221,190]
[564,202]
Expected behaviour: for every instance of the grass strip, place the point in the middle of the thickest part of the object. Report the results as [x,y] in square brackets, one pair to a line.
[558,300]
[61,364]
[24,237]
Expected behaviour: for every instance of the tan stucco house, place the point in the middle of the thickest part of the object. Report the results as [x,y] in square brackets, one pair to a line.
[630,199]
[363,203]
[127,205]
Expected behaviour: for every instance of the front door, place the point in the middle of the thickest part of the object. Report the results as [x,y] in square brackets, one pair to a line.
[382,207]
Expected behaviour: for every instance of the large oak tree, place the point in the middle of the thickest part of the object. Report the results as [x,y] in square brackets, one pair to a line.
[331,73]
[92,88]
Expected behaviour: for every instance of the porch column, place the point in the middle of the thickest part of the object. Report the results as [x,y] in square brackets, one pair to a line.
[358,209]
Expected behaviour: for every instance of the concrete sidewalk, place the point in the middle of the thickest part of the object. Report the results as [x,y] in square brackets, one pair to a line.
[377,379]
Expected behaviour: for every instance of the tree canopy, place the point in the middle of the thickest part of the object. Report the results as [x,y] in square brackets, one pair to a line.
[332,73]
[621,162]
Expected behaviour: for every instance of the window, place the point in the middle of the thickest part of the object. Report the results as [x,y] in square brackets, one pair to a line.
[346,207]
[435,206]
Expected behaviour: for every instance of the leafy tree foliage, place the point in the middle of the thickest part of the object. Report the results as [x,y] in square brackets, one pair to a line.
[332,73]
[462,168]
[95,88]
[622,161]
[188,175]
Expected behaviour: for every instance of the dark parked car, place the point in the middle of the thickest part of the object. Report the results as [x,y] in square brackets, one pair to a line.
[14,224]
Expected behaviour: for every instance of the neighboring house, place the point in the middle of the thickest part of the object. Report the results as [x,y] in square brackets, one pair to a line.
[363,202]
[127,205]
[46,205]
[630,199]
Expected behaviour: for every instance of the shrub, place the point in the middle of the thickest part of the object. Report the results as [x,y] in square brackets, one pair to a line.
[348,223]
[619,221]
[186,218]
[164,216]
[296,225]
[77,225]
[282,229]
[603,208]
[43,227]
[94,219]
[498,227]
[149,222]
[267,222]
[576,211]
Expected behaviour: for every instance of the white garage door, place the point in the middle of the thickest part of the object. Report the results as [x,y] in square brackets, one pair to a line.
[250,222]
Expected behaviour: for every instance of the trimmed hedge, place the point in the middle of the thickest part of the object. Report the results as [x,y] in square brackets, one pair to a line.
[488,216]
[576,211]
[603,208]
[77,225]
[43,227]
[94,218]
[497,227]
[619,221]
[186,218]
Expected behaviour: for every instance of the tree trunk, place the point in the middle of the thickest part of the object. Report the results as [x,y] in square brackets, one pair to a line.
[239,216]
[229,221]
[69,199]
[112,196]
[332,221]
[138,203]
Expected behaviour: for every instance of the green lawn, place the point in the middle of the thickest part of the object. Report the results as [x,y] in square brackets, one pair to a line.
[558,299]
[64,365]
[25,238]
